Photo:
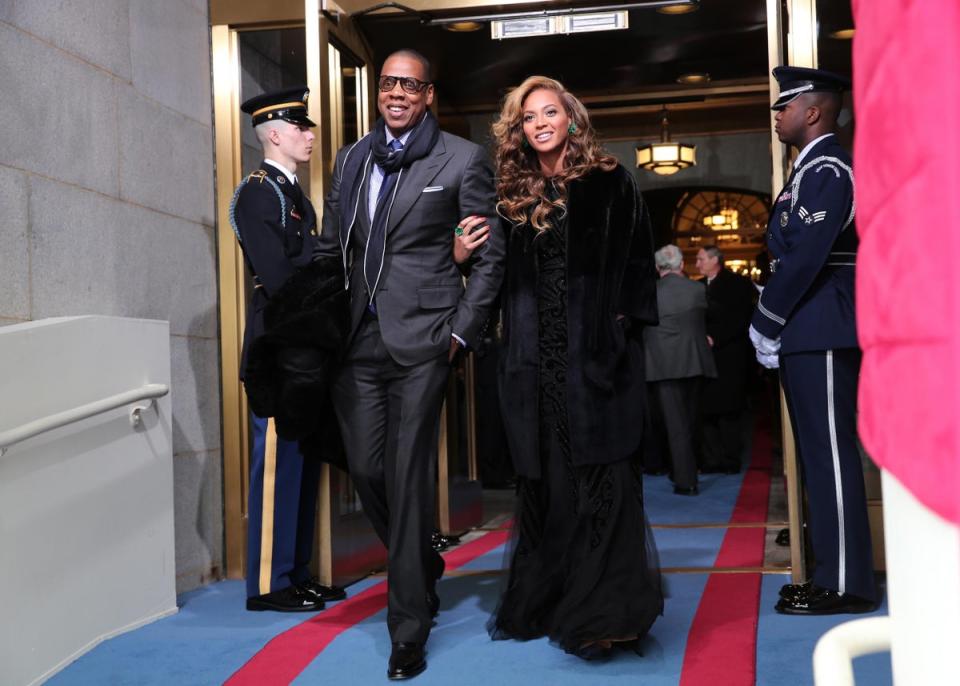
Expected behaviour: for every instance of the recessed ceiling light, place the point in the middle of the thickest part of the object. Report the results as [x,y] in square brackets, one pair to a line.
[694,77]
[843,34]
[685,8]
[463,26]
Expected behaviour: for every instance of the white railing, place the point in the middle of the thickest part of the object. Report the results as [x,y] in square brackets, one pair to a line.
[836,649]
[55,421]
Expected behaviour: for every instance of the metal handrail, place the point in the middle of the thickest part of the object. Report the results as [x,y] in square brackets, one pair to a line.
[23,432]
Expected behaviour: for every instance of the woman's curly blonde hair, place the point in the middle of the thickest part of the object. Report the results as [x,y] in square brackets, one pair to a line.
[521,185]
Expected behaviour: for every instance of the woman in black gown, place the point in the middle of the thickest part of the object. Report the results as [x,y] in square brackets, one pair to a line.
[579,287]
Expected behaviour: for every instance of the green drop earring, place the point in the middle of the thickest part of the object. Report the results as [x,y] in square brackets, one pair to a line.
[572,128]
[524,143]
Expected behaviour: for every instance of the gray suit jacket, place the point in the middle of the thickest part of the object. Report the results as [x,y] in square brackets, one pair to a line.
[677,348]
[421,299]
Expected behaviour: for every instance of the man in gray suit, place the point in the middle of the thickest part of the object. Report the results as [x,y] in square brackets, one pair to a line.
[677,358]
[394,204]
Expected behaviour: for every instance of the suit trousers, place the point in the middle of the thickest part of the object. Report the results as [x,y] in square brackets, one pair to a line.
[723,440]
[678,402]
[389,416]
[821,391]
[282,511]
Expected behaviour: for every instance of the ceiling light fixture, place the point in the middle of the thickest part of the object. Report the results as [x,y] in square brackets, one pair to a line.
[842,34]
[693,78]
[666,157]
[679,8]
[541,25]
[463,26]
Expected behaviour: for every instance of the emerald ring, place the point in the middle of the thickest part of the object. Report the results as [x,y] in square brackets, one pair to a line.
[458,230]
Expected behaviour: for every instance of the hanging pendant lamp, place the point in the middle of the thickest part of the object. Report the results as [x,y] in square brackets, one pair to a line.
[666,157]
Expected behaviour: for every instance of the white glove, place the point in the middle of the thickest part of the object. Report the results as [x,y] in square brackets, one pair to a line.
[768,361]
[764,345]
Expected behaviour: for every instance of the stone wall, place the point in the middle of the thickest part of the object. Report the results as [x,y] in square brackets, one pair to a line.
[107,205]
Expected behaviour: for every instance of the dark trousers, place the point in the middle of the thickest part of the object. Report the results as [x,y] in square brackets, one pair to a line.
[678,404]
[282,510]
[821,390]
[722,440]
[389,416]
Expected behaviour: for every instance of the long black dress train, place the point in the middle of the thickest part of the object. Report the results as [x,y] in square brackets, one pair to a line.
[583,566]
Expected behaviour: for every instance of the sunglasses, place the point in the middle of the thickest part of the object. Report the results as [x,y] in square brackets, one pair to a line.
[407,83]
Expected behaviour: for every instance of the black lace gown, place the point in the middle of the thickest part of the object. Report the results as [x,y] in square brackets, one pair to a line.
[583,566]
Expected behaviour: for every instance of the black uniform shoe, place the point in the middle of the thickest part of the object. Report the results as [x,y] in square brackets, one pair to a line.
[824,601]
[686,490]
[783,538]
[325,593]
[795,590]
[406,661]
[289,599]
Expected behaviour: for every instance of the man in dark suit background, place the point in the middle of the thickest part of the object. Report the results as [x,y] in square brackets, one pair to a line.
[395,201]
[730,299]
[677,359]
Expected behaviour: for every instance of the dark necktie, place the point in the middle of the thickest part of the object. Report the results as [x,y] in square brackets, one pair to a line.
[376,244]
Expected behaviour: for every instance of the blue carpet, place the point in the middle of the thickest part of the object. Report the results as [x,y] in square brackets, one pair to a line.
[210,638]
[718,495]
[461,652]
[213,635]
[785,644]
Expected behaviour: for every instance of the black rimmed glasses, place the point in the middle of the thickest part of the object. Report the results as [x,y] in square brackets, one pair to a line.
[407,83]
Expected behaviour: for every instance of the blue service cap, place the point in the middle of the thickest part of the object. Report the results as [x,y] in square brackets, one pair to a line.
[289,105]
[795,81]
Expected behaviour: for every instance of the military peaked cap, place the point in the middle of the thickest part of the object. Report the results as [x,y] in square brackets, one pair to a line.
[795,81]
[289,105]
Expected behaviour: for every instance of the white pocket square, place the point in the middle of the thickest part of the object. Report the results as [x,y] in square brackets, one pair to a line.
[432,189]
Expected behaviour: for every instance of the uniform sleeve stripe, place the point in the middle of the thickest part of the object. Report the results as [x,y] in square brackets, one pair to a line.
[770,315]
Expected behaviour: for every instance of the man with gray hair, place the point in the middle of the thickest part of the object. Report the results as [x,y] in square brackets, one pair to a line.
[677,360]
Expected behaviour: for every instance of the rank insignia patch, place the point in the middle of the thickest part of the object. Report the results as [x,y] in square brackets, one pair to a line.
[811,217]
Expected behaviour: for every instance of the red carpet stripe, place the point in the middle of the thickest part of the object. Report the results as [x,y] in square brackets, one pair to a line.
[285,656]
[722,643]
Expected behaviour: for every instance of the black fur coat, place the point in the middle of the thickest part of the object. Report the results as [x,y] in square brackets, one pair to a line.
[292,363]
[610,272]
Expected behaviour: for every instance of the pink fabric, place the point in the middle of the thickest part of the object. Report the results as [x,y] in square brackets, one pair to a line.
[906,58]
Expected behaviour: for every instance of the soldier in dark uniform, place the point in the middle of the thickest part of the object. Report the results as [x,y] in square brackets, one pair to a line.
[805,322]
[277,229]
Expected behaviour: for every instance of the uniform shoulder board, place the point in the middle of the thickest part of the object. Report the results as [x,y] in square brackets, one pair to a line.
[259,175]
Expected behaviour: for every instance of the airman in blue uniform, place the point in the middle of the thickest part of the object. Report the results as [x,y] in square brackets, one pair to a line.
[277,229]
[805,323]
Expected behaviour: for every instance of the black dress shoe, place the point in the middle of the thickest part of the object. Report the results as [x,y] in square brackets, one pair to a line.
[325,593]
[686,490]
[289,599]
[406,661]
[795,590]
[824,601]
[783,538]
